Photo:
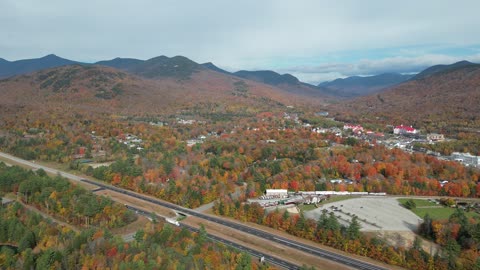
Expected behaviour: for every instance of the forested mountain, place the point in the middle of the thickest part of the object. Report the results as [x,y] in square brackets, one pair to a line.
[8,69]
[162,66]
[287,82]
[445,100]
[360,86]
[104,89]
[443,69]
[211,66]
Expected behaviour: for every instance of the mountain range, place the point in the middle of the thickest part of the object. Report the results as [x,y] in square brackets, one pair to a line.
[442,97]
[182,68]
[156,86]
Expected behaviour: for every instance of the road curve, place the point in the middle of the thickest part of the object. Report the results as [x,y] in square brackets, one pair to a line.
[338,258]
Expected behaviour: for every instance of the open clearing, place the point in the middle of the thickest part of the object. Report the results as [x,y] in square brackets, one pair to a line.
[435,211]
[374,213]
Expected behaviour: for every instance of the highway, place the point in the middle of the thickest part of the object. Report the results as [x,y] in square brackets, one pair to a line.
[269,259]
[353,263]
[342,259]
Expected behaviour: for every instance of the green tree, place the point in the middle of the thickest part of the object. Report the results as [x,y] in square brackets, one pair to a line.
[28,241]
[353,230]
[28,259]
[410,204]
[244,262]
[202,235]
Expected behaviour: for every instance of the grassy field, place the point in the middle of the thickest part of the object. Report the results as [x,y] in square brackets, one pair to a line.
[435,211]
[418,202]
[338,198]
[307,207]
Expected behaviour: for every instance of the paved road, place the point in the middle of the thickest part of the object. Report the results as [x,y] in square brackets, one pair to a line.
[353,263]
[37,166]
[348,261]
[269,259]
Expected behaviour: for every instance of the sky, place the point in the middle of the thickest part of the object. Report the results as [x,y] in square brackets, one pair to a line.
[315,40]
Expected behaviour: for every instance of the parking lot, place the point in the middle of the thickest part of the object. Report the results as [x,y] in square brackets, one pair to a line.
[374,213]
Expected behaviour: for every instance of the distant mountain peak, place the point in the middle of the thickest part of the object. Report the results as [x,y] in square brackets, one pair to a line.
[51,56]
[359,86]
[268,77]
[437,69]
[463,62]
[25,66]
[213,67]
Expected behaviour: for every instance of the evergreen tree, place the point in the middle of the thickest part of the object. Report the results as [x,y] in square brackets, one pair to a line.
[353,230]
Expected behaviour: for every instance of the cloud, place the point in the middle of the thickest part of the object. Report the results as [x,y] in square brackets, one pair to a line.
[399,64]
[247,34]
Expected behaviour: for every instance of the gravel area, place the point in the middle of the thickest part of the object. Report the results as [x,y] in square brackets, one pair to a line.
[385,212]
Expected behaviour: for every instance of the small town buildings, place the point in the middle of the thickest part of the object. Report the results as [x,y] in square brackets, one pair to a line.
[466,158]
[282,193]
[404,130]
[354,128]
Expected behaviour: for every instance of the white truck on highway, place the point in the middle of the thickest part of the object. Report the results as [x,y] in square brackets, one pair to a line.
[173,221]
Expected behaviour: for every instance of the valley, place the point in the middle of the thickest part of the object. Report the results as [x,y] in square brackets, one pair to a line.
[252,135]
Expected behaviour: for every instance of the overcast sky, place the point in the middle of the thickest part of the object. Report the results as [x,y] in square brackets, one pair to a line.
[314,40]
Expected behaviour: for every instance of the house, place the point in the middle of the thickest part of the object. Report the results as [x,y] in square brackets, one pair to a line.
[404,130]
[435,137]
[354,128]
[323,113]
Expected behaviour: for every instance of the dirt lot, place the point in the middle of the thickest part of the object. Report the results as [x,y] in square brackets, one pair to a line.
[380,213]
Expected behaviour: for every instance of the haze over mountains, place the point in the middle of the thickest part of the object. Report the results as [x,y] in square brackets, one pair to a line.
[359,86]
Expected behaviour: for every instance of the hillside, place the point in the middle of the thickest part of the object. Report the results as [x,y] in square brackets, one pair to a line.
[267,76]
[178,67]
[8,69]
[446,101]
[360,86]
[286,82]
[443,68]
[120,63]
[107,90]
[211,66]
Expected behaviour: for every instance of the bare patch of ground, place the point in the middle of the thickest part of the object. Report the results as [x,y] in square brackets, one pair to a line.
[96,165]
[143,205]
[132,227]
[405,239]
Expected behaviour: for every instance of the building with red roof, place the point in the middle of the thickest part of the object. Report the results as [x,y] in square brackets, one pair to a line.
[404,130]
